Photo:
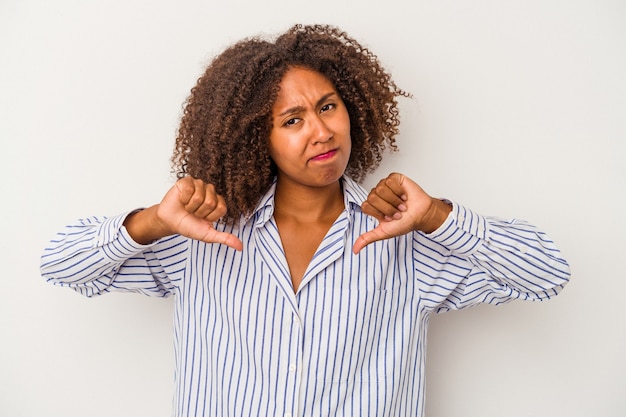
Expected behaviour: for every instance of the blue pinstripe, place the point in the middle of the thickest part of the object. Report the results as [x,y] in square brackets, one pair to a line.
[350,342]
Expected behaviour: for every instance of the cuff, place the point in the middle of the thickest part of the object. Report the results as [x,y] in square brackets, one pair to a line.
[115,241]
[463,231]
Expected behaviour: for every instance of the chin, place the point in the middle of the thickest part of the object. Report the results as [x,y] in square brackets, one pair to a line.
[331,179]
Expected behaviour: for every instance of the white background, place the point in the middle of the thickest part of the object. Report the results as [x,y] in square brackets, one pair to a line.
[519,110]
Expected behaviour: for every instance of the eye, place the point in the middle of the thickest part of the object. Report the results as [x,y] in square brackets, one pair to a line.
[292,121]
[327,107]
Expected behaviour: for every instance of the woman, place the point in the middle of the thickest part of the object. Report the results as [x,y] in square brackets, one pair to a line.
[297,293]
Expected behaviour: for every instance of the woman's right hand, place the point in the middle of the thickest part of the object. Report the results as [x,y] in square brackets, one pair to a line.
[189,208]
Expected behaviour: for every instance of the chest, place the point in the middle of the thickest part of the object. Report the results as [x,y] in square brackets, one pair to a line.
[300,242]
[268,263]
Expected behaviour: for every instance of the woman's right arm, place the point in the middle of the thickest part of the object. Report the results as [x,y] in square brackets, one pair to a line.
[142,251]
[97,255]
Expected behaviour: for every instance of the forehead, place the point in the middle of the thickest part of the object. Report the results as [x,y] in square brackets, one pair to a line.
[302,84]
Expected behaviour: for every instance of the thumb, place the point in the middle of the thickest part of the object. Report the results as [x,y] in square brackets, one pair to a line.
[203,230]
[369,237]
[228,239]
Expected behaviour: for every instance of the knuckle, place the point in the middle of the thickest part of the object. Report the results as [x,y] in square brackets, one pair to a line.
[220,211]
[196,199]
[395,177]
[185,186]
[210,202]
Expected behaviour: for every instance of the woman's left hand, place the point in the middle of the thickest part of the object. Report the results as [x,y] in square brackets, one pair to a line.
[401,206]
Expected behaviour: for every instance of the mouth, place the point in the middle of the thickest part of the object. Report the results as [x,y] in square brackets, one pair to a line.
[324,156]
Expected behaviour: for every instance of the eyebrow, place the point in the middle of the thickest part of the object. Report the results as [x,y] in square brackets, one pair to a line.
[297,109]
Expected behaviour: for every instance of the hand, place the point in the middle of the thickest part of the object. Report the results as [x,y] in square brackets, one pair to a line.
[189,208]
[401,206]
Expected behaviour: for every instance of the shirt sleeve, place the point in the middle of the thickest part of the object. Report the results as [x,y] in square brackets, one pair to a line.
[97,255]
[474,259]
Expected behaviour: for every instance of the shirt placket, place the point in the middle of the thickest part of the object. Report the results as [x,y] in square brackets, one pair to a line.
[294,370]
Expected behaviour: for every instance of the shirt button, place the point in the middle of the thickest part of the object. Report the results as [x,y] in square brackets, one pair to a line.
[292,367]
[287,414]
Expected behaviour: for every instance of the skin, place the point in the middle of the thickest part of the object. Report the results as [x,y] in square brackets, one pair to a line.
[310,144]
[310,138]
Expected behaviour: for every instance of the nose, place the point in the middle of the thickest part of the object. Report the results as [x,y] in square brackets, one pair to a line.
[320,132]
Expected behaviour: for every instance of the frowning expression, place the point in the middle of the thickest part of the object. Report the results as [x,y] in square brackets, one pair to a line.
[310,138]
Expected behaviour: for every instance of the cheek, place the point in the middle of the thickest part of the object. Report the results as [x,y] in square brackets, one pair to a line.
[273,147]
[287,143]
[344,122]
[270,149]
[278,150]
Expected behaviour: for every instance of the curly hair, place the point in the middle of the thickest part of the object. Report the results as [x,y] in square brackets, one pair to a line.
[224,131]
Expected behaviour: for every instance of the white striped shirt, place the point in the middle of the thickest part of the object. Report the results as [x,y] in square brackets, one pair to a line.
[350,342]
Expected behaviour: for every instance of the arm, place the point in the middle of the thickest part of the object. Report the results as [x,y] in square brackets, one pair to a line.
[487,260]
[135,252]
[97,255]
[480,259]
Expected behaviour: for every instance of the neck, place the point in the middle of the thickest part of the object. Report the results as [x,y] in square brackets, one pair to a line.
[308,204]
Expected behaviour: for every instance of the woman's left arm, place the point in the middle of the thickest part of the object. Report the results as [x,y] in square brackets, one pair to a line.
[509,258]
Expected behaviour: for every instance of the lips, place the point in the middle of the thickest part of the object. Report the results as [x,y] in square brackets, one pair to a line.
[324,156]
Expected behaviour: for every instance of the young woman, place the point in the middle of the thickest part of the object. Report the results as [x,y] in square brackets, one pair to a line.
[298,293]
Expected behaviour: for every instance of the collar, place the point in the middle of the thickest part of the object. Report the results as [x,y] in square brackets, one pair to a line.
[353,195]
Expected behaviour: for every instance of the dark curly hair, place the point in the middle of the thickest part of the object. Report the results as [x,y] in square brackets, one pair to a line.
[226,124]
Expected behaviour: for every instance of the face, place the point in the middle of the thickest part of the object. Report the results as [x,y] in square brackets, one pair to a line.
[310,137]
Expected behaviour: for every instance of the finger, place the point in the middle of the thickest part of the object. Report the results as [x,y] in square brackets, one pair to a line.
[396,183]
[392,190]
[186,189]
[203,230]
[228,239]
[376,204]
[203,200]
[371,210]
[387,199]
[212,212]
[213,206]
[367,238]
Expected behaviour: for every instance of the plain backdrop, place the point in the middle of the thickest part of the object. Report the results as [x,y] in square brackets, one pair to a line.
[518,110]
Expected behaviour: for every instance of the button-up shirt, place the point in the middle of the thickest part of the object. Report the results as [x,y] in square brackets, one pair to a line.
[349,342]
